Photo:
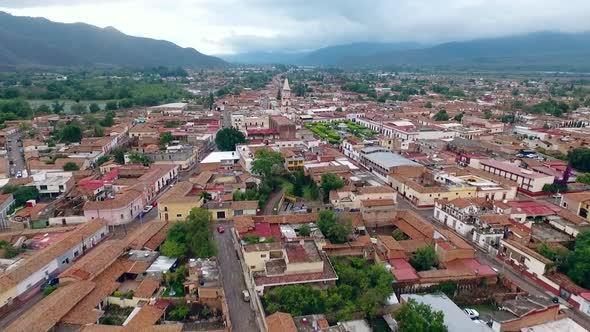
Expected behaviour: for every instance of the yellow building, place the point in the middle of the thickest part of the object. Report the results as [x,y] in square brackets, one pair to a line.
[177,203]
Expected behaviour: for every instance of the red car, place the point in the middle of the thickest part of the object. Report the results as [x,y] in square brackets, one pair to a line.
[220,229]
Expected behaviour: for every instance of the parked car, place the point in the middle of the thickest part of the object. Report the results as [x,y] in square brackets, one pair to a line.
[220,229]
[155,203]
[472,313]
[147,209]
[19,174]
[246,295]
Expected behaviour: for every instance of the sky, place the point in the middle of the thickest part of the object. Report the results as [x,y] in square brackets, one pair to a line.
[236,26]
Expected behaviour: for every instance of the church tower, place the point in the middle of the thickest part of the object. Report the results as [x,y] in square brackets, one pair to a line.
[286,94]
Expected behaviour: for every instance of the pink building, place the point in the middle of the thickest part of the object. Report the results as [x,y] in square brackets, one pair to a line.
[126,206]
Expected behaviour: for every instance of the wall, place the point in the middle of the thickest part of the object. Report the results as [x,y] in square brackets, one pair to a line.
[535,318]
[254,261]
[70,220]
[113,216]
[178,211]
[309,267]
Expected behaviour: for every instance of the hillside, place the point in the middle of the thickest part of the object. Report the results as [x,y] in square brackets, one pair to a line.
[537,51]
[26,41]
[333,55]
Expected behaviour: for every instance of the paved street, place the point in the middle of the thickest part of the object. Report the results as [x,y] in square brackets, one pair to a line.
[14,155]
[242,317]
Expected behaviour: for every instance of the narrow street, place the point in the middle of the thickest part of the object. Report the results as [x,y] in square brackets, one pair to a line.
[242,317]
[15,157]
[274,197]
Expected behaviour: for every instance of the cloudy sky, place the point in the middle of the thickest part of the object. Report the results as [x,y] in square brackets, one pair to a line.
[231,26]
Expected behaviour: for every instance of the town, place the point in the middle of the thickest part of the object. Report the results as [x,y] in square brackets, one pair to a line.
[294,199]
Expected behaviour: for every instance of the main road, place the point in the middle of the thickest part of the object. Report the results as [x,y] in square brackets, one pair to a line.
[241,314]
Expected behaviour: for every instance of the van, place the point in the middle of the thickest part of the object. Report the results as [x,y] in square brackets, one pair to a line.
[246,295]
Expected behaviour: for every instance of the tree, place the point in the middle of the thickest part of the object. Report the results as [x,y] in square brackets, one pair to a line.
[57,107]
[43,109]
[71,133]
[579,158]
[335,230]
[174,249]
[459,117]
[71,166]
[210,101]
[414,316]
[94,108]
[554,188]
[338,109]
[119,155]
[21,194]
[111,106]
[180,312]
[515,92]
[330,182]
[441,116]
[126,103]
[399,235]
[578,263]
[79,108]
[424,259]
[227,139]
[98,131]
[304,230]
[138,158]
[428,105]
[109,119]
[267,163]
[583,178]
[488,114]
[165,138]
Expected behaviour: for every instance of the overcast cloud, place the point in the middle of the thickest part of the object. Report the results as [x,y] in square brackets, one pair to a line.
[229,26]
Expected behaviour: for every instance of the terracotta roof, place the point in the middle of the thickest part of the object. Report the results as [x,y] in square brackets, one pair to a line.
[528,251]
[244,205]
[41,258]
[461,203]
[280,322]
[121,200]
[159,238]
[144,233]
[146,317]
[49,311]
[578,197]
[495,219]
[376,190]
[377,202]
[147,287]
[389,242]
[95,261]
[178,194]
[243,224]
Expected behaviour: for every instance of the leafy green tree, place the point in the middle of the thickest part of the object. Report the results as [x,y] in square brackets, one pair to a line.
[578,262]
[180,312]
[21,194]
[267,163]
[227,139]
[304,230]
[94,108]
[71,133]
[335,230]
[210,101]
[487,114]
[71,166]
[119,155]
[174,249]
[554,188]
[459,117]
[58,107]
[583,178]
[579,158]
[165,138]
[108,120]
[399,235]
[98,131]
[330,182]
[424,259]
[79,108]
[428,105]
[138,158]
[414,316]
[43,109]
[441,116]
[111,106]
[126,103]
[102,160]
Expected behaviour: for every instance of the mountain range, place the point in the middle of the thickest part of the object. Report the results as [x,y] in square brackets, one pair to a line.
[535,51]
[27,41]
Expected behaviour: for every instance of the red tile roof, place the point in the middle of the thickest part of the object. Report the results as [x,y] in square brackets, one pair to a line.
[402,270]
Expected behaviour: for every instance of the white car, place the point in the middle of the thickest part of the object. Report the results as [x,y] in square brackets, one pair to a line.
[19,174]
[147,209]
[472,313]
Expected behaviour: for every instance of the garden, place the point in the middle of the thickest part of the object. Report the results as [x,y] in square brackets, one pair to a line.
[331,131]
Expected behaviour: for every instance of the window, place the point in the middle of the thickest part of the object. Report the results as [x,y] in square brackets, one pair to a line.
[179,215]
[263,256]
[121,216]
[43,187]
[61,187]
